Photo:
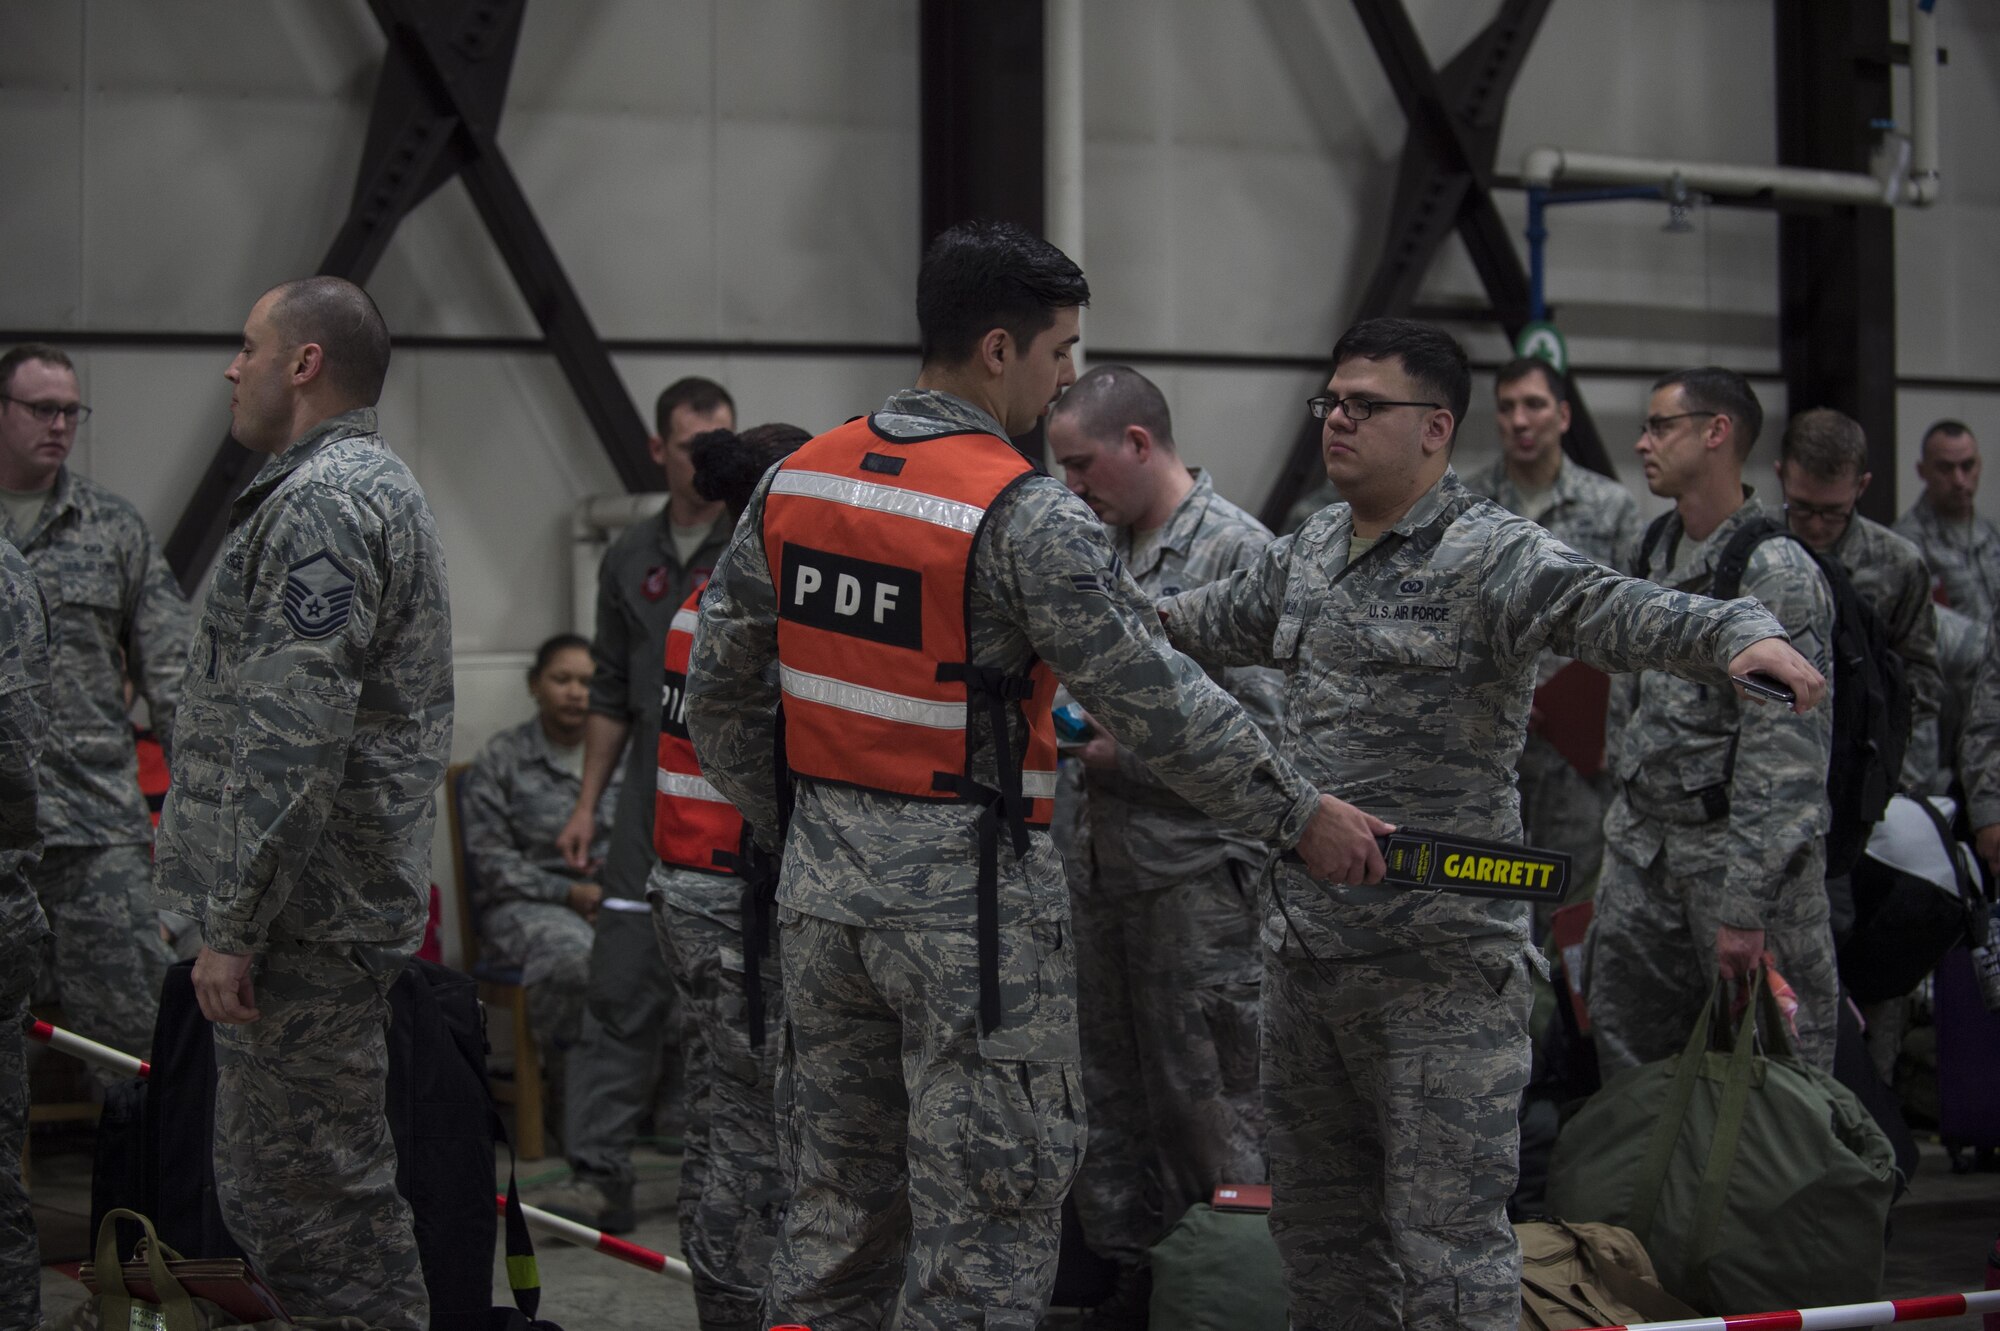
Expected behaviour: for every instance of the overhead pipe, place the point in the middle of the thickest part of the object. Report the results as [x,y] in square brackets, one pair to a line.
[1923,103]
[1062,130]
[1543,167]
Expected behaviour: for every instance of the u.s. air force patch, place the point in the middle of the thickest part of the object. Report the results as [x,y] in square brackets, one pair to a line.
[319,594]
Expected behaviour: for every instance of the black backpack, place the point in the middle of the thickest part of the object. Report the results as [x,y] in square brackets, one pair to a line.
[158,1159]
[1871,697]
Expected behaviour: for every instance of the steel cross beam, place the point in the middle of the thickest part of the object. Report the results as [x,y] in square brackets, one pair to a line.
[436,111]
[1444,184]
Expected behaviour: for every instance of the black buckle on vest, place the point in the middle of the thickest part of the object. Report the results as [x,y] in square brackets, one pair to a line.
[1714,801]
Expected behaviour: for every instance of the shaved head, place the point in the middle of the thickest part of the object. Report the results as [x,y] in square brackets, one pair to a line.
[341,319]
[1110,397]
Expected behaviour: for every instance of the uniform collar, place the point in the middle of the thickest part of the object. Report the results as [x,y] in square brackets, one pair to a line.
[346,425]
[544,747]
[1753,510]
[1185,521]
[1432,505]
[921,413]
[62,498]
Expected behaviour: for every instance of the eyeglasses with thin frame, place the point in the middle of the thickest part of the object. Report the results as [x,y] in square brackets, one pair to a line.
[1357,409]
[46,412]
[1833,515]
[1656,426]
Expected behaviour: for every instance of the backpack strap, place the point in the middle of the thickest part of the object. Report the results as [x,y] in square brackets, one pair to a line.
[1726,580]
[1654,530]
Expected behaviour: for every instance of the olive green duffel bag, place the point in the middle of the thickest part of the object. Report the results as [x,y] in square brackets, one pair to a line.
[1754,1181]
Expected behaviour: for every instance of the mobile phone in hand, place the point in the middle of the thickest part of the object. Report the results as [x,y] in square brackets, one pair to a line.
[1764,686]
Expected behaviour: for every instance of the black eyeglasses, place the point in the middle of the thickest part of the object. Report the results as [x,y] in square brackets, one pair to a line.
[1830,514]
[1357,409]
[46,412]
[1656,426]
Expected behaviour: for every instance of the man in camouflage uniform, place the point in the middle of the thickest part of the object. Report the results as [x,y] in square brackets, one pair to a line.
[24,719]
[534,910]
[1409,622]
[115,613]
[931,1150]
[1561,808]
[1961,649]
[645,575]
[1979,756]
[1716,849]
[1823,471]
[1961,549]
[1167,966]
[318,708]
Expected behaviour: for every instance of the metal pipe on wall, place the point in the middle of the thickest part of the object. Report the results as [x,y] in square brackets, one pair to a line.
[1062,132]
[1923,102]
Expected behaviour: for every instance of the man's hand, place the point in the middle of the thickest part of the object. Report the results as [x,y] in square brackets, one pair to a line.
[1776,658]
[573,842]
[1738,951]
[222,986]
[1339,843]
[584,897]
[1987,841]
[1099,751]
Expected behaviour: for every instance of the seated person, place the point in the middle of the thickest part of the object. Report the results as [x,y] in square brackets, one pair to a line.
[534,911]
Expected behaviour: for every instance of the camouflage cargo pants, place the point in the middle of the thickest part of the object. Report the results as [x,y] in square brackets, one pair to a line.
[730,1226]
[1167,999]
[551,944]
[1392,1085]
[1649,959]
[1561,809]
[927,1159]
[107,959]
[20,1257]
[305,1170]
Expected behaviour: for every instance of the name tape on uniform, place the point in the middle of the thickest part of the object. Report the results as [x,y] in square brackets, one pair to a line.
[1471,867]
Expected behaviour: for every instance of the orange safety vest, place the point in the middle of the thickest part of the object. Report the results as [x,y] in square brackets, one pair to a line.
[870,542]
[694,826]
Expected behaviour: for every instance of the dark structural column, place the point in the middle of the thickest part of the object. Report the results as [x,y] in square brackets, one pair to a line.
[1837,266]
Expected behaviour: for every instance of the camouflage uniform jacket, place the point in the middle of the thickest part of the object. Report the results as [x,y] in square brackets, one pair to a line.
[514,801]
[1963,557]
[1961,650]
[24,725]
[1046,584]
[1591,514]
[1979,748]
[1685,737]
[1889,575]
[640,586]
[1136,819]
[114,610]
[318,706]
[1408,675]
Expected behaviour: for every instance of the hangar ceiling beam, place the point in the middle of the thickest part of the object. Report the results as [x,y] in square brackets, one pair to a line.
[1444,185]
[435,116]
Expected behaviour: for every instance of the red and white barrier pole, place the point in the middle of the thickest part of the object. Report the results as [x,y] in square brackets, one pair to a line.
[1833,1318]
[570,1231]
[103,1055]
[90,1051]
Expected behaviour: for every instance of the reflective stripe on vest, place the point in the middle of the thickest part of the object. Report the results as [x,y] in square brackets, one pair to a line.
[691,819]
[869,542]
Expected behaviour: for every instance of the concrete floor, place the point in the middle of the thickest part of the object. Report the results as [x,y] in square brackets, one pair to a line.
[1940,1235]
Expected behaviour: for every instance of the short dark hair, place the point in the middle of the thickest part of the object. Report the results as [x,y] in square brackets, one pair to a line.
[1110,397]
[546,654]
[1724,392]
[1825,444]
[1521,367]
[978,276]
[342,320]
[697,394]
[1948,427]
[728,465]
[1429,355]
[26,352]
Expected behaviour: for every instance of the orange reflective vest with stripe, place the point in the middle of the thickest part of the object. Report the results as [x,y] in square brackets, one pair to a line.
[870,542]
[692,822]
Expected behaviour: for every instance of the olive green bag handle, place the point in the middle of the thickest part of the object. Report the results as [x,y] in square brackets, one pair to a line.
[117,1309]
